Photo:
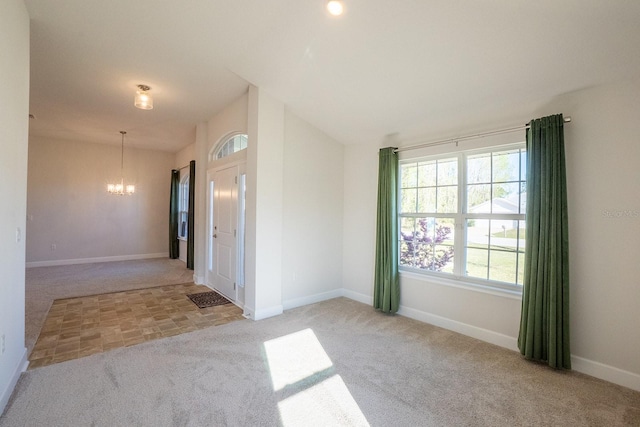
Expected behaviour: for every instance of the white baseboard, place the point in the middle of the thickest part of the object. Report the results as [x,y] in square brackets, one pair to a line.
[93,260]
[264,313]
[589,367]
[6,393]
[311,299]
[356,296]
[199,280]
[606,372]
[461,328]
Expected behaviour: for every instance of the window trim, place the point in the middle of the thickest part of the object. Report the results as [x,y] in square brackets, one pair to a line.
[183,205]
[457,278]
[214,154]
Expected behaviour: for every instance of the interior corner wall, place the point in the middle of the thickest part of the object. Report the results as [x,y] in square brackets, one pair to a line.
[72,218]
[14,128]
[604,221]
[264,209]
[184,156]
[359,220]
[312,214]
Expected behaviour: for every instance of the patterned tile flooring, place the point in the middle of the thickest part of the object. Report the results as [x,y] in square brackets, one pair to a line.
[78,327]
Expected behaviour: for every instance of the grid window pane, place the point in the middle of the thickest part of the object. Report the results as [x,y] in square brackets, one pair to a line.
[409,200]
[478,233]
[448,172]
[479,169]
[427,243]
[427,174]
[506,198]
[409,175]
[407,227]
[406,253]
[479,198]
[494,197]
[427,200]
[448,199]
[477,263]
[506,166]
[502,266]
[443,259]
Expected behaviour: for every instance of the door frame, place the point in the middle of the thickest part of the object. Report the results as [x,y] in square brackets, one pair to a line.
[215,167]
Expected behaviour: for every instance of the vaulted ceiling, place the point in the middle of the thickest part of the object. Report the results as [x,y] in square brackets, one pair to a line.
[405,67]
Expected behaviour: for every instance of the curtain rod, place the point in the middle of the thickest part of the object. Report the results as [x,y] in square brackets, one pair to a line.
[466,137]
[182,167]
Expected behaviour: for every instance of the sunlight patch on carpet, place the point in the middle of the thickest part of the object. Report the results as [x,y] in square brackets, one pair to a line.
[298,362]
[327,403]
[294,357]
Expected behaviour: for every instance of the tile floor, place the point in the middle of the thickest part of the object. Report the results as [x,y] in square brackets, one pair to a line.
[78,327]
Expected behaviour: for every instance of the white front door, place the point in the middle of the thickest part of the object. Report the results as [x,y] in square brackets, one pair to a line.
[223,228]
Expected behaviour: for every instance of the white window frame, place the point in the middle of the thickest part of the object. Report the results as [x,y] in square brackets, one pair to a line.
[183,207]
[460,220]
[230,145]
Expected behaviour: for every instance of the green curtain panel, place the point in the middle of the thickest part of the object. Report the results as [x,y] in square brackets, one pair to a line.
[386,292]
[174,247]
[192,208]
[544,322]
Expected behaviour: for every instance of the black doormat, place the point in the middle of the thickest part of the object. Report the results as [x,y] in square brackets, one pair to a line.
[208,299]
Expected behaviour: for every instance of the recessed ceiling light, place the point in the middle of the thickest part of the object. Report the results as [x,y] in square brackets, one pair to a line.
[335,7]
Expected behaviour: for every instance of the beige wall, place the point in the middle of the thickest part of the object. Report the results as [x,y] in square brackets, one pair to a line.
[603,150]
[604,224]
[14,127]
[312,213]
[72,217]
[184,156]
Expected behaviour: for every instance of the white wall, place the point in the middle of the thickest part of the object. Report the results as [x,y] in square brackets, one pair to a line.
[184,156]
[294,200]
[14,127]
[604,222]
[359,220]
[69,207]
[603,151]
[264,198]
[312,214]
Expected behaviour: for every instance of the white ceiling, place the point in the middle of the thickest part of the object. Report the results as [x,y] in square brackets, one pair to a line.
[411,67]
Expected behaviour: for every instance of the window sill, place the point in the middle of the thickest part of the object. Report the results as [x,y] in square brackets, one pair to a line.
[463,284]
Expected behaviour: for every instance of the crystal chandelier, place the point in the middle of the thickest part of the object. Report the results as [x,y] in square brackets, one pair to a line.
[120,189]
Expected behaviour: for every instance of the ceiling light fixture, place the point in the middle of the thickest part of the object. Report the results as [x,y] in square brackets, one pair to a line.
[143,99]
[120,189]
[335,7]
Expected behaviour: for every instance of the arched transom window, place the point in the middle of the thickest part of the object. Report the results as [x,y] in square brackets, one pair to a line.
[232,145]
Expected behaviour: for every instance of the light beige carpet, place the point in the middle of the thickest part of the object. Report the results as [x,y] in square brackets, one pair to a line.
[333,363]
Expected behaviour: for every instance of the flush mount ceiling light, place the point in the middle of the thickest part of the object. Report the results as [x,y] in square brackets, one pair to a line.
[120,189]
[143,99]
[335,7]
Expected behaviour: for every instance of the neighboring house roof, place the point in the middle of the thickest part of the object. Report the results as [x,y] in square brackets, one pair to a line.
[507,205]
